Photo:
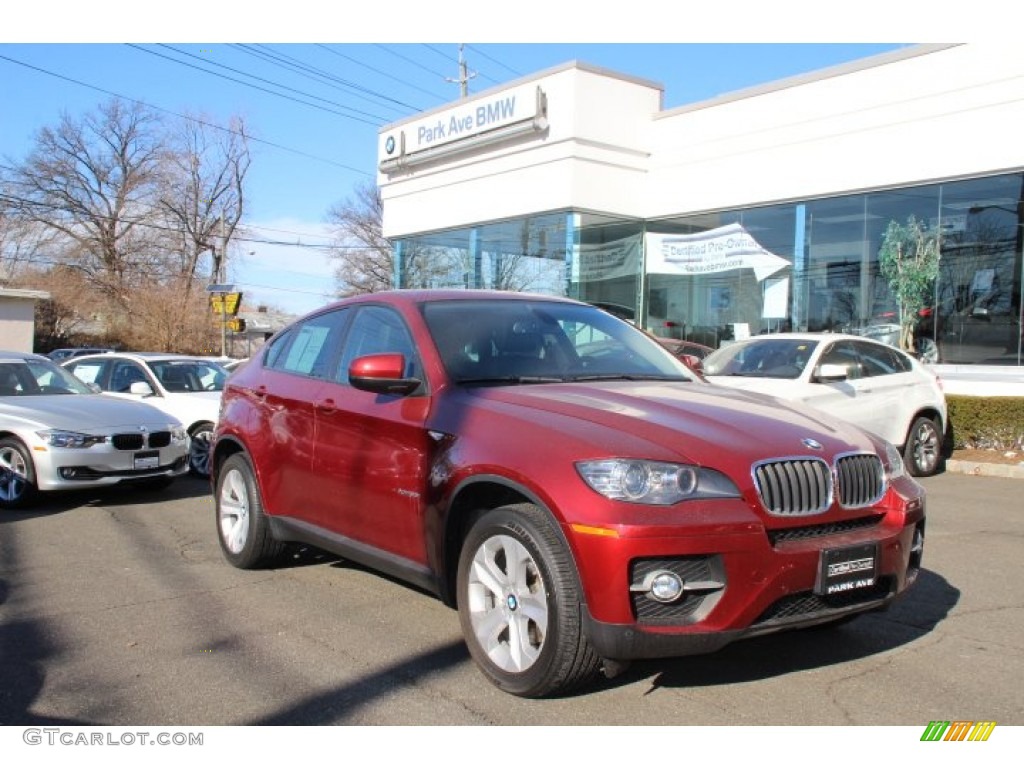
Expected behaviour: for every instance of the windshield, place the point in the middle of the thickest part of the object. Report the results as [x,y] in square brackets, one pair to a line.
[26,377]
[189,375]
[767,358]
[536,341]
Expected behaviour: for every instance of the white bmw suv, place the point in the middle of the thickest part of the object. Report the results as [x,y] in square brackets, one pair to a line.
[186,387]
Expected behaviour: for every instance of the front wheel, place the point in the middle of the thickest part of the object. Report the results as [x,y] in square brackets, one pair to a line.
[17,475]
[242,528]
[199,450]
[923,452]
[520,604]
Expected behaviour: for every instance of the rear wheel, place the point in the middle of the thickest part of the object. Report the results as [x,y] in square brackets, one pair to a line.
[923,452]
[17,475]
[520,604]
[242,528]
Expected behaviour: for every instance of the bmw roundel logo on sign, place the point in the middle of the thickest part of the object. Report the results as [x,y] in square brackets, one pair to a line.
[389,145]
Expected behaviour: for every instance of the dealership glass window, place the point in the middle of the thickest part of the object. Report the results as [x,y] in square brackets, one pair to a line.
[605,263]
[719,302]
[527,254]
[830,281]
[978,298]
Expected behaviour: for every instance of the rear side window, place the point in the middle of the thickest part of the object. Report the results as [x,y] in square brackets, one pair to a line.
[880,360]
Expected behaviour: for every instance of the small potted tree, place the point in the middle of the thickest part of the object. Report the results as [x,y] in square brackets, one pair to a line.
[909,260]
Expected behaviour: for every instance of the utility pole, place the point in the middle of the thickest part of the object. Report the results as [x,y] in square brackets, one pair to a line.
[464,74]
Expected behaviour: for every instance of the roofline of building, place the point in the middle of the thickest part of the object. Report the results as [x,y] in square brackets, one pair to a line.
[20,293]
[858,65]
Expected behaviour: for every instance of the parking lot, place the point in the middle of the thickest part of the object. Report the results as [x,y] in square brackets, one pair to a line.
[118,609]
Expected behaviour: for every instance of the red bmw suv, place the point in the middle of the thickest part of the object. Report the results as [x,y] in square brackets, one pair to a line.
[558,477]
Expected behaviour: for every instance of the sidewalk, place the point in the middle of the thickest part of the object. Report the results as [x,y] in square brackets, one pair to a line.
[984,469]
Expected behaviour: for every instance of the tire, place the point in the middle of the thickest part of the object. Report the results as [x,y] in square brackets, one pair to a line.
[199,451]
[922,454]
[523,625]
[17,475]
[242,528]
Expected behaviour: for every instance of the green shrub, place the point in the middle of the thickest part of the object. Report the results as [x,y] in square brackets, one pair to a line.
[986,422]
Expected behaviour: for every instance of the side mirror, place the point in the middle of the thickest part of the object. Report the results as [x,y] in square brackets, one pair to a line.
[829,372]
[383,374]
[141,388]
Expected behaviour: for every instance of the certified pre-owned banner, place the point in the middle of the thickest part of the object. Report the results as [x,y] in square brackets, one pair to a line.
[716,250]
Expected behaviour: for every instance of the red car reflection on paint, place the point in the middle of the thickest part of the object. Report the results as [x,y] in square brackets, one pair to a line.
[560,478]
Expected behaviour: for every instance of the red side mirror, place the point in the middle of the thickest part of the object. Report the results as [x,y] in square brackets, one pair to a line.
[383,374]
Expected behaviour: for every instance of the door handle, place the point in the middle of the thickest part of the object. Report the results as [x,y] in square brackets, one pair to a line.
[327,406]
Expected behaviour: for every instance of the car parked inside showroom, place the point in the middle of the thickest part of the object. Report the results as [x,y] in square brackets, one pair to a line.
[183,386]
[578,510]
[690,352]
[57,433]
[866,382]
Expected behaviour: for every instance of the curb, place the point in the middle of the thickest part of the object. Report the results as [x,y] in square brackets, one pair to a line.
[981,469]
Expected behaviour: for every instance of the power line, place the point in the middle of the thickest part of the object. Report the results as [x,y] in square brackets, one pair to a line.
[410,61]
[141,222]
[494,60]
[258,87]
[186,117]
[296,65]
[464,75]
[382,73]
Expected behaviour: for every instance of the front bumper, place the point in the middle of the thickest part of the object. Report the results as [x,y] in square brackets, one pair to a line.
[61,469]
[748,581]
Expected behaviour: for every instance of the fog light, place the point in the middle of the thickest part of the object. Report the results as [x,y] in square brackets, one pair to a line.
[665,586]
[68,473]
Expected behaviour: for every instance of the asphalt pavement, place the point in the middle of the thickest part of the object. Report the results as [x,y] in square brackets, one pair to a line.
[119,609]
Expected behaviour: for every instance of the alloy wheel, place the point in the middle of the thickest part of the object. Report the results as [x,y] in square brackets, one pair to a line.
[233,511]
[507,604]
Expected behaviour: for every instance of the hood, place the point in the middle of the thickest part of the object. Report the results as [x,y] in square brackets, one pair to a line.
[189,407]
[684,422]
[81,413]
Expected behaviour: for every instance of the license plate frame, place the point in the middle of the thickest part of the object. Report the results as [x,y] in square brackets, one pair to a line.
[146,460]
[845,569]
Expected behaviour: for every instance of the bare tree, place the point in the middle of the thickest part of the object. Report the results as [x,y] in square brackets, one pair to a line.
[366,259]
[204,193]
[90,182]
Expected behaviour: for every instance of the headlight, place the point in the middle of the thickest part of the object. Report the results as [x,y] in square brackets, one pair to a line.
[652,482]
[59,438]
[178,434]
[894,462]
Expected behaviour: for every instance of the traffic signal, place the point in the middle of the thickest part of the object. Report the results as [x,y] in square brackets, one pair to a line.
[236,325]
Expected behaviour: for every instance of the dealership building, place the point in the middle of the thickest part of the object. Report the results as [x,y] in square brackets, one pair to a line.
[756,211]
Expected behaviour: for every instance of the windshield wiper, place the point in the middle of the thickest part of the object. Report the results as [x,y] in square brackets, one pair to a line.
[513,380]
[627,377]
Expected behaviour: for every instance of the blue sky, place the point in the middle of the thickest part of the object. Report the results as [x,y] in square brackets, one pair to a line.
[318,133]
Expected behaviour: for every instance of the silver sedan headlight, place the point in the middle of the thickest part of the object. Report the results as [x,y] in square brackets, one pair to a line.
[178,434]
[653,482]
[62,438]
